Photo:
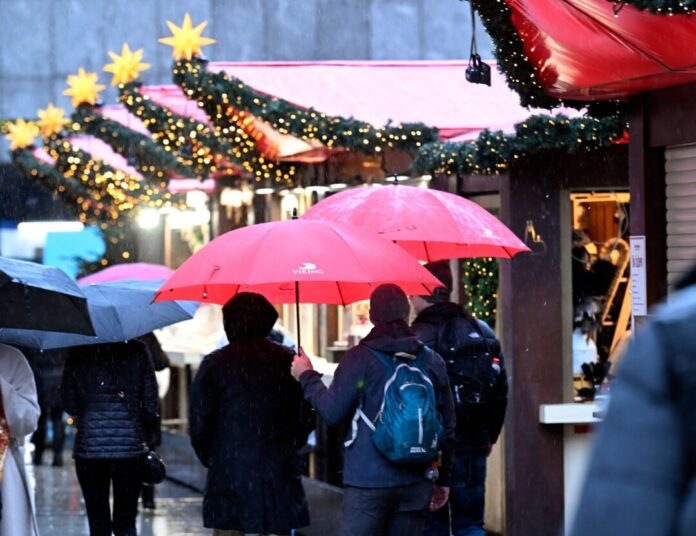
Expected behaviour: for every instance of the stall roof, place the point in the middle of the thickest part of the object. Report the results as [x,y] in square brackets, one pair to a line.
[583,50]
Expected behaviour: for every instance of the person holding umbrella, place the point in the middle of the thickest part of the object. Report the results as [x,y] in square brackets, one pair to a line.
[247,421]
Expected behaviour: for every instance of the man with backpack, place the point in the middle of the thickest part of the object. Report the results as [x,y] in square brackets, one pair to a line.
[479,389]
[396,392]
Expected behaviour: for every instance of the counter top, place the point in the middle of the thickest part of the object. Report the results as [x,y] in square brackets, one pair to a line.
[584,413]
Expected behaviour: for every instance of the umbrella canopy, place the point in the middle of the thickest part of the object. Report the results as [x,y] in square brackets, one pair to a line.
[33,296]
[120,311]
[296,261]
[429,224]
[139,271]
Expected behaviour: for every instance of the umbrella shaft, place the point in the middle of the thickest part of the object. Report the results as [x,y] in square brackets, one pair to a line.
[297,313]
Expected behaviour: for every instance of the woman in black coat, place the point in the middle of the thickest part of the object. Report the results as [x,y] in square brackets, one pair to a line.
[112,391]
[247,419]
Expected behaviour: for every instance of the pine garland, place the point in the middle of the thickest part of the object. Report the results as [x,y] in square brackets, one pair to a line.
[659,7]
[213,90]
[480,280]
[151,160]
[492,152]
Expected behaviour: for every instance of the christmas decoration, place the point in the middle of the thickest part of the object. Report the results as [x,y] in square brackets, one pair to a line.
[52,120]
[480,282]
[659,7]
[21,134]
[83,88]
[127,66]
[186,41]
[492,152]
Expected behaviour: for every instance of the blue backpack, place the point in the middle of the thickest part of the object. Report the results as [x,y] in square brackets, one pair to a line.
[408,427]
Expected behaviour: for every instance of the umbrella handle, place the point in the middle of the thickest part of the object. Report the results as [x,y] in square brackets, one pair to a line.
[297,314]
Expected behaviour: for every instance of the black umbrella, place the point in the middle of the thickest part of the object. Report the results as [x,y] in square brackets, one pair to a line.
[33,296]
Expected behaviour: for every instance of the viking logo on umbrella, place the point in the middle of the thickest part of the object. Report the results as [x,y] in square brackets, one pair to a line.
[308,268]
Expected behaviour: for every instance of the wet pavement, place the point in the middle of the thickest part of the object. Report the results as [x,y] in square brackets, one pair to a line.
[61,510]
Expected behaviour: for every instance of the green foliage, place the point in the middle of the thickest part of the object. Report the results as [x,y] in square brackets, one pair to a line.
[480,280]
[492,152]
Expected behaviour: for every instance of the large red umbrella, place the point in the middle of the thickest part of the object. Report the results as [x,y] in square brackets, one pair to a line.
[296,261]
[429,224]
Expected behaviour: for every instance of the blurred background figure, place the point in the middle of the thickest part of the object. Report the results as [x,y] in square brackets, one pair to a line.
[112,391]
[642,474]
[47,367]
[19,415]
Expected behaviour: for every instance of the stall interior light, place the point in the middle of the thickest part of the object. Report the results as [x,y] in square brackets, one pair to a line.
[319,189]
[264,191]
[298,190]
[426,177]
[148,218]
[338,186]
[190,218]
[196,199]
[33,228]
[231,197]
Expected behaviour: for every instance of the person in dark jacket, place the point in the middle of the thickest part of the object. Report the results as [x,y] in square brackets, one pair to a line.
[111,390]
[247,420]
[641,478]
[380,497]
[47,367]
[478,427]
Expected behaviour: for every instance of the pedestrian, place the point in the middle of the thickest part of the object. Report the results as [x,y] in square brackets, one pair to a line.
[479,388]
[641,478]
[19,415]
[160,362]
[47,366]
[111,391]
[247,420]
[381,497]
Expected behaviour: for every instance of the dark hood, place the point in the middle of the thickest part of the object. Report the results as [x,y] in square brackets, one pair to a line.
[439,312]
[248,315]
[393,337]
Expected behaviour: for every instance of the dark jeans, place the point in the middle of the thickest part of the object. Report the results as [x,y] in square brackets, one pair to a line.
[398,511]
[54,411]
[95,477]
[463,513]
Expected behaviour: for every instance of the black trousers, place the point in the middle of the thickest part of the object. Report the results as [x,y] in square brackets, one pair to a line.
[52,410]
[96,477]
[398,511]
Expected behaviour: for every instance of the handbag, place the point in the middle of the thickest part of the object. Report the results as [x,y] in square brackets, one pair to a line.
[154,469]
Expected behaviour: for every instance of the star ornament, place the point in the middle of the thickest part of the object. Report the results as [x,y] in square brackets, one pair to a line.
[83,88]
[51,120]
[21,134]
[186,41]
[126,67]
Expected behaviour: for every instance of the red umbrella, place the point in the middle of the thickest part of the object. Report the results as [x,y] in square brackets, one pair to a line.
[429,224]
[296,261]
[140,271]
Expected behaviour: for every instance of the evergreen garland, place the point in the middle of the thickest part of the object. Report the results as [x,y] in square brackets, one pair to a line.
[151,160]
[659,7]
[215,89]
[492,152]
[480,281]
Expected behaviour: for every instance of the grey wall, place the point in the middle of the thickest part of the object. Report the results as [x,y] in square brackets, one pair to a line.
[42,41]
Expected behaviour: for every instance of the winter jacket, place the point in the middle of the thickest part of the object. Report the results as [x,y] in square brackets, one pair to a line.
[112,391]
[247,420]
[481,432]
[642,474]
[361,372]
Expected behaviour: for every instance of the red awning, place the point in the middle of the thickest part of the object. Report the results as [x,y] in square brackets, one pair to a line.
[583,51]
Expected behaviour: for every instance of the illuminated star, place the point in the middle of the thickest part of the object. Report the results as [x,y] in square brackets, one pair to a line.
[52,120]
[127,66]
[186,41]
[21,134]
[84,88]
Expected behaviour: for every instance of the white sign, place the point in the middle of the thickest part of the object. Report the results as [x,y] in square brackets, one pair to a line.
[639,286]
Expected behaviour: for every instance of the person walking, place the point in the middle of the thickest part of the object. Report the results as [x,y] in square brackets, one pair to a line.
[641,478]
[247,420]
[112,392]
[19,416]
[47,366]
[479,389]
[381,497]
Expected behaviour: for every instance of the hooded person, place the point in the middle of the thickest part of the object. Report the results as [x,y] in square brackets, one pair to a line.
[380,497]
[247,420]
[479,389]
[19,417]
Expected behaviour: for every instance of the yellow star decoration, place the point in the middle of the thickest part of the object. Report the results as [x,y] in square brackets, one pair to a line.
[21,134]
[83,88]
[186,40]
[127,66]
[51,120]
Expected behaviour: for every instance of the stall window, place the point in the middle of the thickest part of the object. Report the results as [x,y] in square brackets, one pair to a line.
[601,297]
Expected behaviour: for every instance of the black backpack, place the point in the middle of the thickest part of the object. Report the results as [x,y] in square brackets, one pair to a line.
[472,368]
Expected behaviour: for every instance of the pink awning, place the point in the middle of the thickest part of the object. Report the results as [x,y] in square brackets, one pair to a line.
[120,114]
